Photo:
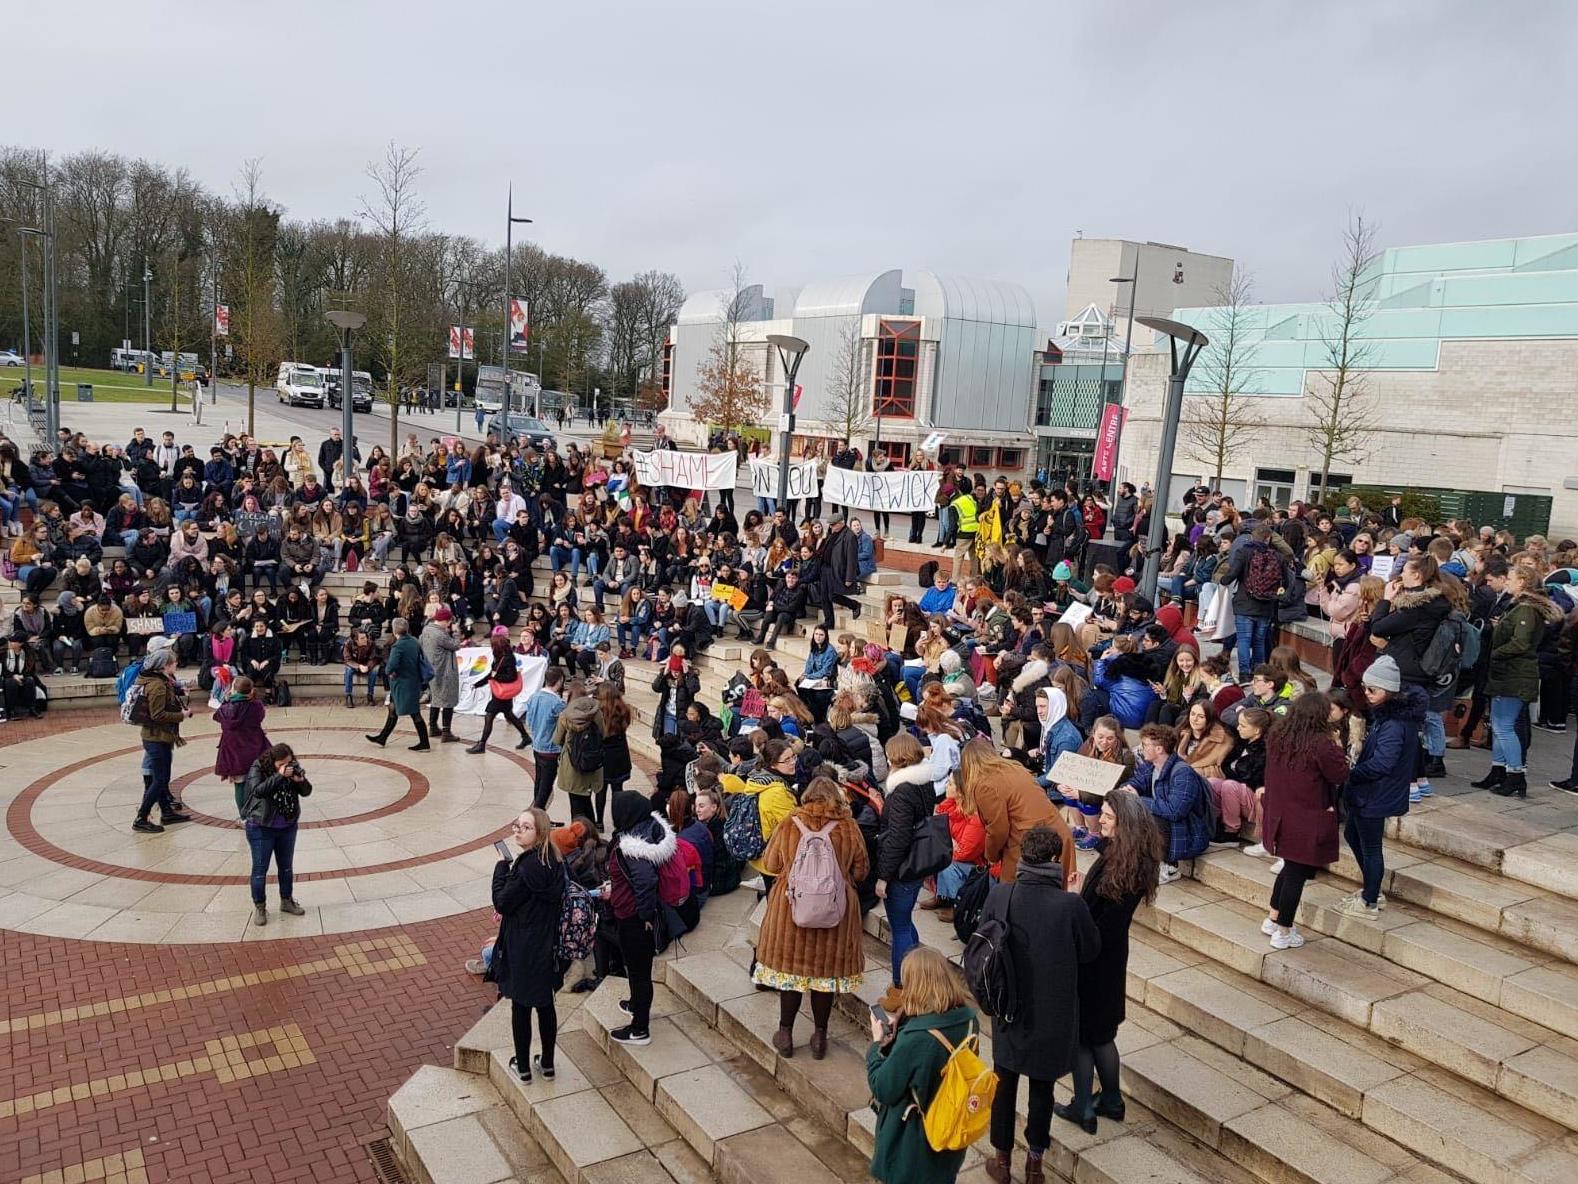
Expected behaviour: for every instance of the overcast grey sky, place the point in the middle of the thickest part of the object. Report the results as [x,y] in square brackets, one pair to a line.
[819,137]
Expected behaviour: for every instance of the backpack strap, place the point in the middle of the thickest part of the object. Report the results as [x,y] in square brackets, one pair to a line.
[805,831]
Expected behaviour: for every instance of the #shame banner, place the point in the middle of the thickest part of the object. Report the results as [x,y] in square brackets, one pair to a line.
[688,470]
[473,662]
[803,479]
[902,492]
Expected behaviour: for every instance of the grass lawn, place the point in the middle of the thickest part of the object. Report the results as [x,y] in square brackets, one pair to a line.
[109,386]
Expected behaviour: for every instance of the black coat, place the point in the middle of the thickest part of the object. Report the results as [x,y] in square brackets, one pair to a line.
[1408,623]
[910,798]
[527,895]
[1103,980]
[1050,932]
[684,688]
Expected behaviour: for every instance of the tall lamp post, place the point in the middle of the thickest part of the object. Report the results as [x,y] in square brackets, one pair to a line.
[1192,342]
[23,233]
[791,351]
[147,327]
[1133,280]
[510,222]
[346,322]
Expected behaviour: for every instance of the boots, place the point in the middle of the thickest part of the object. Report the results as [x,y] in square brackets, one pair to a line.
[1516,785]
[1033,1173]
[1497,774]
[1435,767]
[998,1166]
[350,700]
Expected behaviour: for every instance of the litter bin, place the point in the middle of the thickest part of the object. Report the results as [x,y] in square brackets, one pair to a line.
[84,392]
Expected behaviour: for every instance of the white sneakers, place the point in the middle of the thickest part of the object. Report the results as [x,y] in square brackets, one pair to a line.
[1255,850]
[1268,927]
[1286,939]
[1354,906]
[1276,868]
[1169,872]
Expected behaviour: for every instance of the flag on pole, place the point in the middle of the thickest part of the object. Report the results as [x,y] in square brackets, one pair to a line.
[461,342]
[520,325]
[221,320]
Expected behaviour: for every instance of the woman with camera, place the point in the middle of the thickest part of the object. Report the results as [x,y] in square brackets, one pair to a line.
[271,810]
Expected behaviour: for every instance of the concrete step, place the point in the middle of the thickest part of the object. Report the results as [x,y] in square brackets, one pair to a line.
[450,1127]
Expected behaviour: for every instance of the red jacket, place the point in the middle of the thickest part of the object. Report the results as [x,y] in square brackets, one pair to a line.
[969,836]
[1300,803]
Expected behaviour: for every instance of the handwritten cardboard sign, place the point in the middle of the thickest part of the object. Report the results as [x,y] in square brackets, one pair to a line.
[1086,774]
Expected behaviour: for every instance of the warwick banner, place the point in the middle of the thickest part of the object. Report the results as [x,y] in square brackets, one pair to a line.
[688,470]
[802,479]
[901,492]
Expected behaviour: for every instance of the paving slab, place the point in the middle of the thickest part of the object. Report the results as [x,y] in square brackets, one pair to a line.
[1545,1080]
[769,1155]
[434,1094]
[1338,978]
[1439,1025]
[457,1151]
[1548,995]
[705,980]
[705,1106]
[527,1160]
[1462,957]
[1213,1005]
[580,1130]
[473,1050]
[827,1090]
[640,1115]
[1457,890]
[1196,1091]
[1548,923]
[1473,834]
[1127,1160]
[1298,1141]
[641,1168]
[1326,1058]
[749,1022]
[1227,932]
[671,1051]
[1551,863]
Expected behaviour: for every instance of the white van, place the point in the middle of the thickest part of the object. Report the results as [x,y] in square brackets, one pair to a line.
[299,385]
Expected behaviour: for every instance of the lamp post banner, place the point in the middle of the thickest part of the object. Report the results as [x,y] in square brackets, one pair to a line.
[687,470]
[803,479]
[462,342]
[221,320]
[902,492]
[1113,417]
[520,326]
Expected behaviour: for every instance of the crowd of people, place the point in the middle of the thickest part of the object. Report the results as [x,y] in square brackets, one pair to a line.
[911,766]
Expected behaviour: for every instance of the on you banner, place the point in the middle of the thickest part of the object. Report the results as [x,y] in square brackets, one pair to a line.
[688,470]
[802,479]
[902,492]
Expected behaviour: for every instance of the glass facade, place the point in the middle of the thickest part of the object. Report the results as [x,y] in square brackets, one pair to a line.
[1071,396]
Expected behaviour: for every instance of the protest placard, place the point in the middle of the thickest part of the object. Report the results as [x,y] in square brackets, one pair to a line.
[803,479]
[145,626]
[474,661]
[1382,566]
[903,492]
[180,623]
[1075,615]
[1085,774]
[736,598]
[687,470]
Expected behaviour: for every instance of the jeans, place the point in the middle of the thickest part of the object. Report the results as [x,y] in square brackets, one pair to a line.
[1254,642]
[631,636]
[1505,747]
[952,878]
[912,676]
[1434,734]
[181,516]
[350,680]
[946,519]
[278,843]
[559,556]
[156,763]
[545,768]
[1364,840]
[900,907]
[501,528]
[129,538]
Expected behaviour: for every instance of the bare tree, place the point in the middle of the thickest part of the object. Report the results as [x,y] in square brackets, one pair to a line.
[729,392]
[1220,420]
[849,385]
[661,295]
[1341,407]
[255,325]
[397,216]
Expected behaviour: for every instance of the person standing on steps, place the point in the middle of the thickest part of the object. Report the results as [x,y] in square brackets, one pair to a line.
[272,809]
[1514,680]
[439,646]
[1415,603]
[1050,934]
[241,736]
[528,893]
[403,669]
[643,843]
[504,684]
[542,720]
[1305,770]
[1124,874]
[1377,787]
[904,1068]
[909,798]
[161,736]
[825,959]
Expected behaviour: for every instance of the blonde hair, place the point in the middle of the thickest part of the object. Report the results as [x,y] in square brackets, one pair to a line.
[932,984]
[792,705]
[979,765]
[903,750]
[547,850]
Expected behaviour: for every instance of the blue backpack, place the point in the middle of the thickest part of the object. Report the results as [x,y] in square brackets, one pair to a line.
[123,683]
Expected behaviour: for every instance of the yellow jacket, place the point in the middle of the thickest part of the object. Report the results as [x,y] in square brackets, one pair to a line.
[964,506]
[774,802]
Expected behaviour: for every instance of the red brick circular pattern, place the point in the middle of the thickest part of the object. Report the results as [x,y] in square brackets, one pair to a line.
[418,788]
[20,823]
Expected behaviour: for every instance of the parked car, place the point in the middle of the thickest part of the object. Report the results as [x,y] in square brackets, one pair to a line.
[9,357]
[517,425]
[361,389]
[299,384]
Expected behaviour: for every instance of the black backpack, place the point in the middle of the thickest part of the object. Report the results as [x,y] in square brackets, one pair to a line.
[101,663]
[281,693]
[989,966]
[928,572]
[967,905]
[586,749]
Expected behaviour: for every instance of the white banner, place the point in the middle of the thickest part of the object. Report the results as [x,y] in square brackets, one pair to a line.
[475,661]
[520,330]
[901,492]
[803,479]
[687,470]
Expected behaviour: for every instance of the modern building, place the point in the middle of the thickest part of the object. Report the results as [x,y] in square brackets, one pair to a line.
[1470,375]
[1169,277]
[911,353]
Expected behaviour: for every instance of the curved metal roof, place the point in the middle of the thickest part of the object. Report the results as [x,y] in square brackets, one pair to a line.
[969,298]
[876,291]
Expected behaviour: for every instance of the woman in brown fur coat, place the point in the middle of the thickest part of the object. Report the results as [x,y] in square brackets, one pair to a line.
[793,960]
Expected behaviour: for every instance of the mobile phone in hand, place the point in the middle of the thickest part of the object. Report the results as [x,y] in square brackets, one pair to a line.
[502,848]
[881,1016]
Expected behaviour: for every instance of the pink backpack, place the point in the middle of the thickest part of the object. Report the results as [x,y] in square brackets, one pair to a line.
[816,882]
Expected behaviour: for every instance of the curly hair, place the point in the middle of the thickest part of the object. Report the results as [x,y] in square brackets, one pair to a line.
[1296,735]
[1130,859]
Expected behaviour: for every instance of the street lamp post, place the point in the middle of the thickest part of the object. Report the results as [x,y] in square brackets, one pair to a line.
[27,331]
[1193,342]
[510,222]
[1133,280]
[791,351]
[147,327]
[346,322]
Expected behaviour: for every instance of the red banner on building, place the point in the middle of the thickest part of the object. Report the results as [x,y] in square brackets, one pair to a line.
[1113,418]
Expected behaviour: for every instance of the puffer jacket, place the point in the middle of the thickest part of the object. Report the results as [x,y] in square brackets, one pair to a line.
[633,868]
[1408,623]
[1377,785]
[909,799]
[774,801]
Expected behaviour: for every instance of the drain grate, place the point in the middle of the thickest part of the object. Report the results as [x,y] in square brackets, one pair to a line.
[385,1163]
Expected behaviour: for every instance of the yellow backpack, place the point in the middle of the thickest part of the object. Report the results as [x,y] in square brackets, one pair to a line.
[961,1108]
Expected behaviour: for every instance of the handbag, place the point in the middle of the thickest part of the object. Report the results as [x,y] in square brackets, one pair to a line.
[505,690]
[931,849]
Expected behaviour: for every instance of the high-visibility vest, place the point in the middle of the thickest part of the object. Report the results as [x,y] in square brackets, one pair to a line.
[964,506]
